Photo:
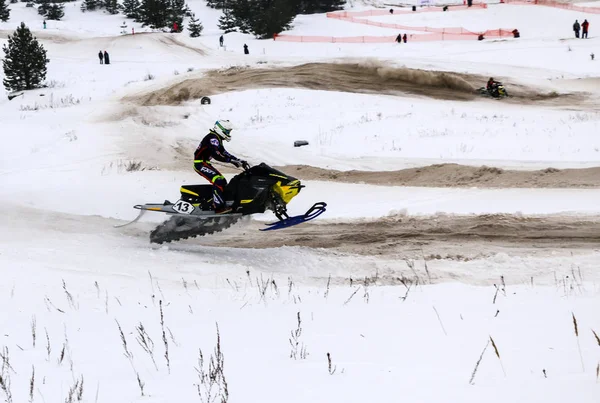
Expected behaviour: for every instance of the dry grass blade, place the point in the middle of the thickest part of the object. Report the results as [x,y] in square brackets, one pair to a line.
[495,347]
[440,320]
[497,354]
[576,327]
[32,384]
[124,342]
[164,336]
[596,336]
[478,362]
[330,367]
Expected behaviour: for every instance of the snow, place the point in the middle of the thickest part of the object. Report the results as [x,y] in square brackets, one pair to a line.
[64,184]
[494,17]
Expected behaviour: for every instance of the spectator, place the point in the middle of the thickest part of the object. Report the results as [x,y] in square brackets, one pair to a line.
[405,38]
[584,31]
[391,11]
[246,52]
[106,58]
[399,38]
[576,28]
[221,41]
[44,24]
[101,57]
[175,27]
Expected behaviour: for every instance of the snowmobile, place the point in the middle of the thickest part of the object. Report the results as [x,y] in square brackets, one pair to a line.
[255,190]
[497,91]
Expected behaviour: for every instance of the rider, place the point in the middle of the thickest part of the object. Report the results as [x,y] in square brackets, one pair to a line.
[491,84]
[212,147]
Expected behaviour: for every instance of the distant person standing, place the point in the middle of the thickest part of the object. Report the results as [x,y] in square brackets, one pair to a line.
[221,41]
[101,57]
[405,38]
[106,58]
[44,24]
[399,38]
[246,51]
[576,28]
[584,31]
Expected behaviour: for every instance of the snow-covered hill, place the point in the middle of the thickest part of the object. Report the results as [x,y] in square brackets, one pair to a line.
[415,293]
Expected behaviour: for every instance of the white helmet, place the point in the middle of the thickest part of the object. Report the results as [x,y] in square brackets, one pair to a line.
[223,129]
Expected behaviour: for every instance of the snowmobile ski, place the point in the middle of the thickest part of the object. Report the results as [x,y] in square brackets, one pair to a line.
[316,210]
[136,219]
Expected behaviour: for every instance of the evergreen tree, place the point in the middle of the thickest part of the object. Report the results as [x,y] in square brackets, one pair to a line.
[162,13]
[218,4]
[24,61]
[177,10]
[319,6]
[195,27]
[263,18]
[227,21]
[112,6]
[242,14]
[43,7]
[4,11]
[131,8]
[89,5]
[154,13]
[55,11]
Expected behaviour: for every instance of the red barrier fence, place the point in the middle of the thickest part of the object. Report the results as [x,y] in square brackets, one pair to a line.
[380,12]
[435,34]
[439,36]
[454,30]
[555,4]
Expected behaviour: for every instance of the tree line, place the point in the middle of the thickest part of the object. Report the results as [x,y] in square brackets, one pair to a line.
[264,18]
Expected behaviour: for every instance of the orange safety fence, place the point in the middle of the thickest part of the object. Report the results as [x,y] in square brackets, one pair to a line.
[555,4]
[376,13]
[438,36]
[434,34]
[453,30]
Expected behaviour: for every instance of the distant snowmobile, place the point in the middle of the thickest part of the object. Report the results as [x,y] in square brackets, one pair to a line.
[497,91]
[257,189]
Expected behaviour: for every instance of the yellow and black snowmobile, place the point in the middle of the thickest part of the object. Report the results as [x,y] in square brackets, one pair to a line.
[256,190]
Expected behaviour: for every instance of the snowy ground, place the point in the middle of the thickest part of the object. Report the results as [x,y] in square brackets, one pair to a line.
[392,331]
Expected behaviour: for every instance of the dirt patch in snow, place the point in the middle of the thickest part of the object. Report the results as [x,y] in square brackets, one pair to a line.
[434,237]
[455,175]
[365,77]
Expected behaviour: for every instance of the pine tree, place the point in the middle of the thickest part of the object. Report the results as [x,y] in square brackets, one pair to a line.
[195,27]
[319,6]
[218,4]
[227,21]
[55,11]
[177,10]
[89,5]
[239,15]
[263,18]
[112,6]
[24,62]
[154,13]
[43,7]
[131,8]
[4,11]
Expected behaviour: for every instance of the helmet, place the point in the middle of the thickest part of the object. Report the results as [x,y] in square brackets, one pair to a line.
[223,129]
